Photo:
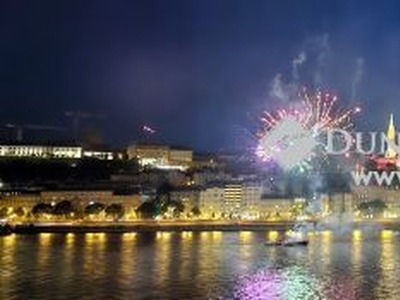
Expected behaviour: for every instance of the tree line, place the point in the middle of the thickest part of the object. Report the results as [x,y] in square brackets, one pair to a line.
[65,209]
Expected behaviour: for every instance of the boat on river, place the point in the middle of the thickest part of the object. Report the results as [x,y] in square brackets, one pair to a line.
[295,243]
[287,243]
[295,237]
[5,229]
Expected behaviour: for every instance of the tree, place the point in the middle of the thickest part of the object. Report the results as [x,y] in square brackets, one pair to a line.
[165,204]
[297,209]
[162,199]
[116,211]
[173,208]
[20,212]
[41,209]
[147,210]
[94,208]
[196,211]
[178,208]
[3,212]
[64,208]
[374,207]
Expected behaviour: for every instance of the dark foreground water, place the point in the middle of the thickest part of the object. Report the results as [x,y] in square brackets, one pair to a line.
[206,265]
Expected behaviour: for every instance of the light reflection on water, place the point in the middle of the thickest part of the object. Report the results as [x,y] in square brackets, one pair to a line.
[199,265]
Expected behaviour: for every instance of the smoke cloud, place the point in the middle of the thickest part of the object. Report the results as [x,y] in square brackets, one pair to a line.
[315,56]
[276,90]
[280,91]
[322,46]
[358,75]
[298,61]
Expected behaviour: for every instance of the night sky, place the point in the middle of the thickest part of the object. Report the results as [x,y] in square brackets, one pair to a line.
[199,72]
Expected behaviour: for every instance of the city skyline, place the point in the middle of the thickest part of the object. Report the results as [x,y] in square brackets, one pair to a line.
[197,72]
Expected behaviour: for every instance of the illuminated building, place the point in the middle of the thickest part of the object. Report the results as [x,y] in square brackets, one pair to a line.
[241,197]
[207,176]
[204,161]
[189,196]
[252,193]
[229,199]
[161,156]
[390,158]
[276,207]
[211,201]
[391,135]
[180,156]
[79,198]
[233,195]
[389,196]
[16,199]
[52,150]
[340,203]
[149,154]
[104,155]
[40,151]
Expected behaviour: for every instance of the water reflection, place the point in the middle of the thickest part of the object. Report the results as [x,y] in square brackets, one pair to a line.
[245,236]
[94,255]
[162,260]
[128,256]
[273,235]
[291,283]
[210,265]
[325,247]
[44,249]
[389,273]
[7,264]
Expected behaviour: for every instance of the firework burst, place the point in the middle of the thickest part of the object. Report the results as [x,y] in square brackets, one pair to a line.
[316,112]
[310,117]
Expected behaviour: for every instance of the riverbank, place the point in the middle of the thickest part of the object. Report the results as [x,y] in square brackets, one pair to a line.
[154,226]
[151,227]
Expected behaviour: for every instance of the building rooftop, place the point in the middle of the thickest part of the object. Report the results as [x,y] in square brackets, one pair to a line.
[155,145]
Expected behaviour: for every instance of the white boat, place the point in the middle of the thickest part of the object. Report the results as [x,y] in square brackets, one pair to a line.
[289,243]
[295,237]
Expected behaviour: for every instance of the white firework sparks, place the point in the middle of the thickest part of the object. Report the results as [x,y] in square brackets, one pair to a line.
[290,135]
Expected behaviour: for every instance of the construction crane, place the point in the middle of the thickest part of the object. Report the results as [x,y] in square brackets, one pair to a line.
[76,117]
[19,128]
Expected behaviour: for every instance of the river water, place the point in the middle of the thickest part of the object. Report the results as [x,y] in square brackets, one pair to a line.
[203,265]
